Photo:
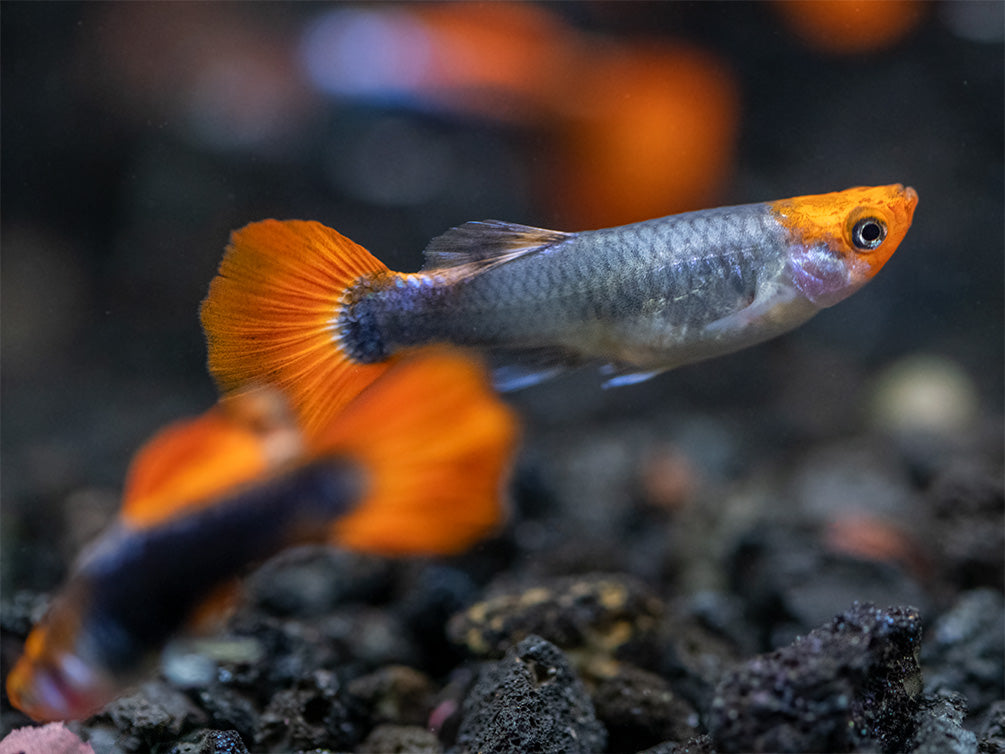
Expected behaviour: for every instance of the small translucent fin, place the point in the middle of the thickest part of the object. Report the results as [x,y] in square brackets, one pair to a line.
[436,446]
[620,376]
[270,313]
[189,463]
[770,299]
[516,369]
[513,377]
[478,245]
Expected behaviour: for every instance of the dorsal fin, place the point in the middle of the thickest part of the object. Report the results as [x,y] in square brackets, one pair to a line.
[486,243]
[188,464]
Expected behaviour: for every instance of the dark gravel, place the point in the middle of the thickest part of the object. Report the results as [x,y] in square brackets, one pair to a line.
[530,701]
[852,685]
[940,727]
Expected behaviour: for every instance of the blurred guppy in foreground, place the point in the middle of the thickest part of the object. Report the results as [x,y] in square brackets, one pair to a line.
[304,308]
[414,465]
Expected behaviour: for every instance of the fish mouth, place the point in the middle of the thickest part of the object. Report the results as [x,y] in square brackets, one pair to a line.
[911,196]
[67,689]
[903,201]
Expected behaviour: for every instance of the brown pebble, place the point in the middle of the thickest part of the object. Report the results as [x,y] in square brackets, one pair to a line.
[596,615]
[668,478]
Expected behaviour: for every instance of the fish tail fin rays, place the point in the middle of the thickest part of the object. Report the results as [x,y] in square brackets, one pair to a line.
[271,315]
[479,245]
[435,444]
[188,463]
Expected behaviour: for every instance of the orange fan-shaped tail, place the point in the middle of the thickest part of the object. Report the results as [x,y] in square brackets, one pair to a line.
[271,312]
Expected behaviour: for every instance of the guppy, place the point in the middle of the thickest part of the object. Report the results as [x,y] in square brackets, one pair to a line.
[299,304]
[416,464]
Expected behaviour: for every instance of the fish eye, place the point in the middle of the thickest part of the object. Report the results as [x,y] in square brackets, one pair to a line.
[868,233]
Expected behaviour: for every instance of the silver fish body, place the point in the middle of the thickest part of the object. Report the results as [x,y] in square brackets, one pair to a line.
[301,306]
[638,298]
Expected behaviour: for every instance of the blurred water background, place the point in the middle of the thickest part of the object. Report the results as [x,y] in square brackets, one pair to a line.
[135,136]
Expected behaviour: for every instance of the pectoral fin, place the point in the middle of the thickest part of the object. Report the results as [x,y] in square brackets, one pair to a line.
[519,368]
[514,377]
[616,375]
[766,305]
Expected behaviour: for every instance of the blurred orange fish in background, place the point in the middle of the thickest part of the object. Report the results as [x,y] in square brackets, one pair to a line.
[647,130]
[634,129]
[415,465]
[502,61]
[641,129]
[621,127]
[848,27]
[188,463]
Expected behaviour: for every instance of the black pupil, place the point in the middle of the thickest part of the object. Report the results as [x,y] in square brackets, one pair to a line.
[870,232]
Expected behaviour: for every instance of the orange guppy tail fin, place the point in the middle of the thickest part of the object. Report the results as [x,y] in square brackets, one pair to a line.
[186,465]
[270,312]
[435,444]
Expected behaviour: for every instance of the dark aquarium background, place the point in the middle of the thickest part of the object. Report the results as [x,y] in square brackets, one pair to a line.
[136,136]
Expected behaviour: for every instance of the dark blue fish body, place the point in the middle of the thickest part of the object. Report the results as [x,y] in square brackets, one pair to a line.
[137,587]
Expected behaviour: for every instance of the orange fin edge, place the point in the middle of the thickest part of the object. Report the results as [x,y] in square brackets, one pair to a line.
[436,445]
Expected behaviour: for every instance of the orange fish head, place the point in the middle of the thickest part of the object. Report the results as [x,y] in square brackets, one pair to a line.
[56,678]
[837,242]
